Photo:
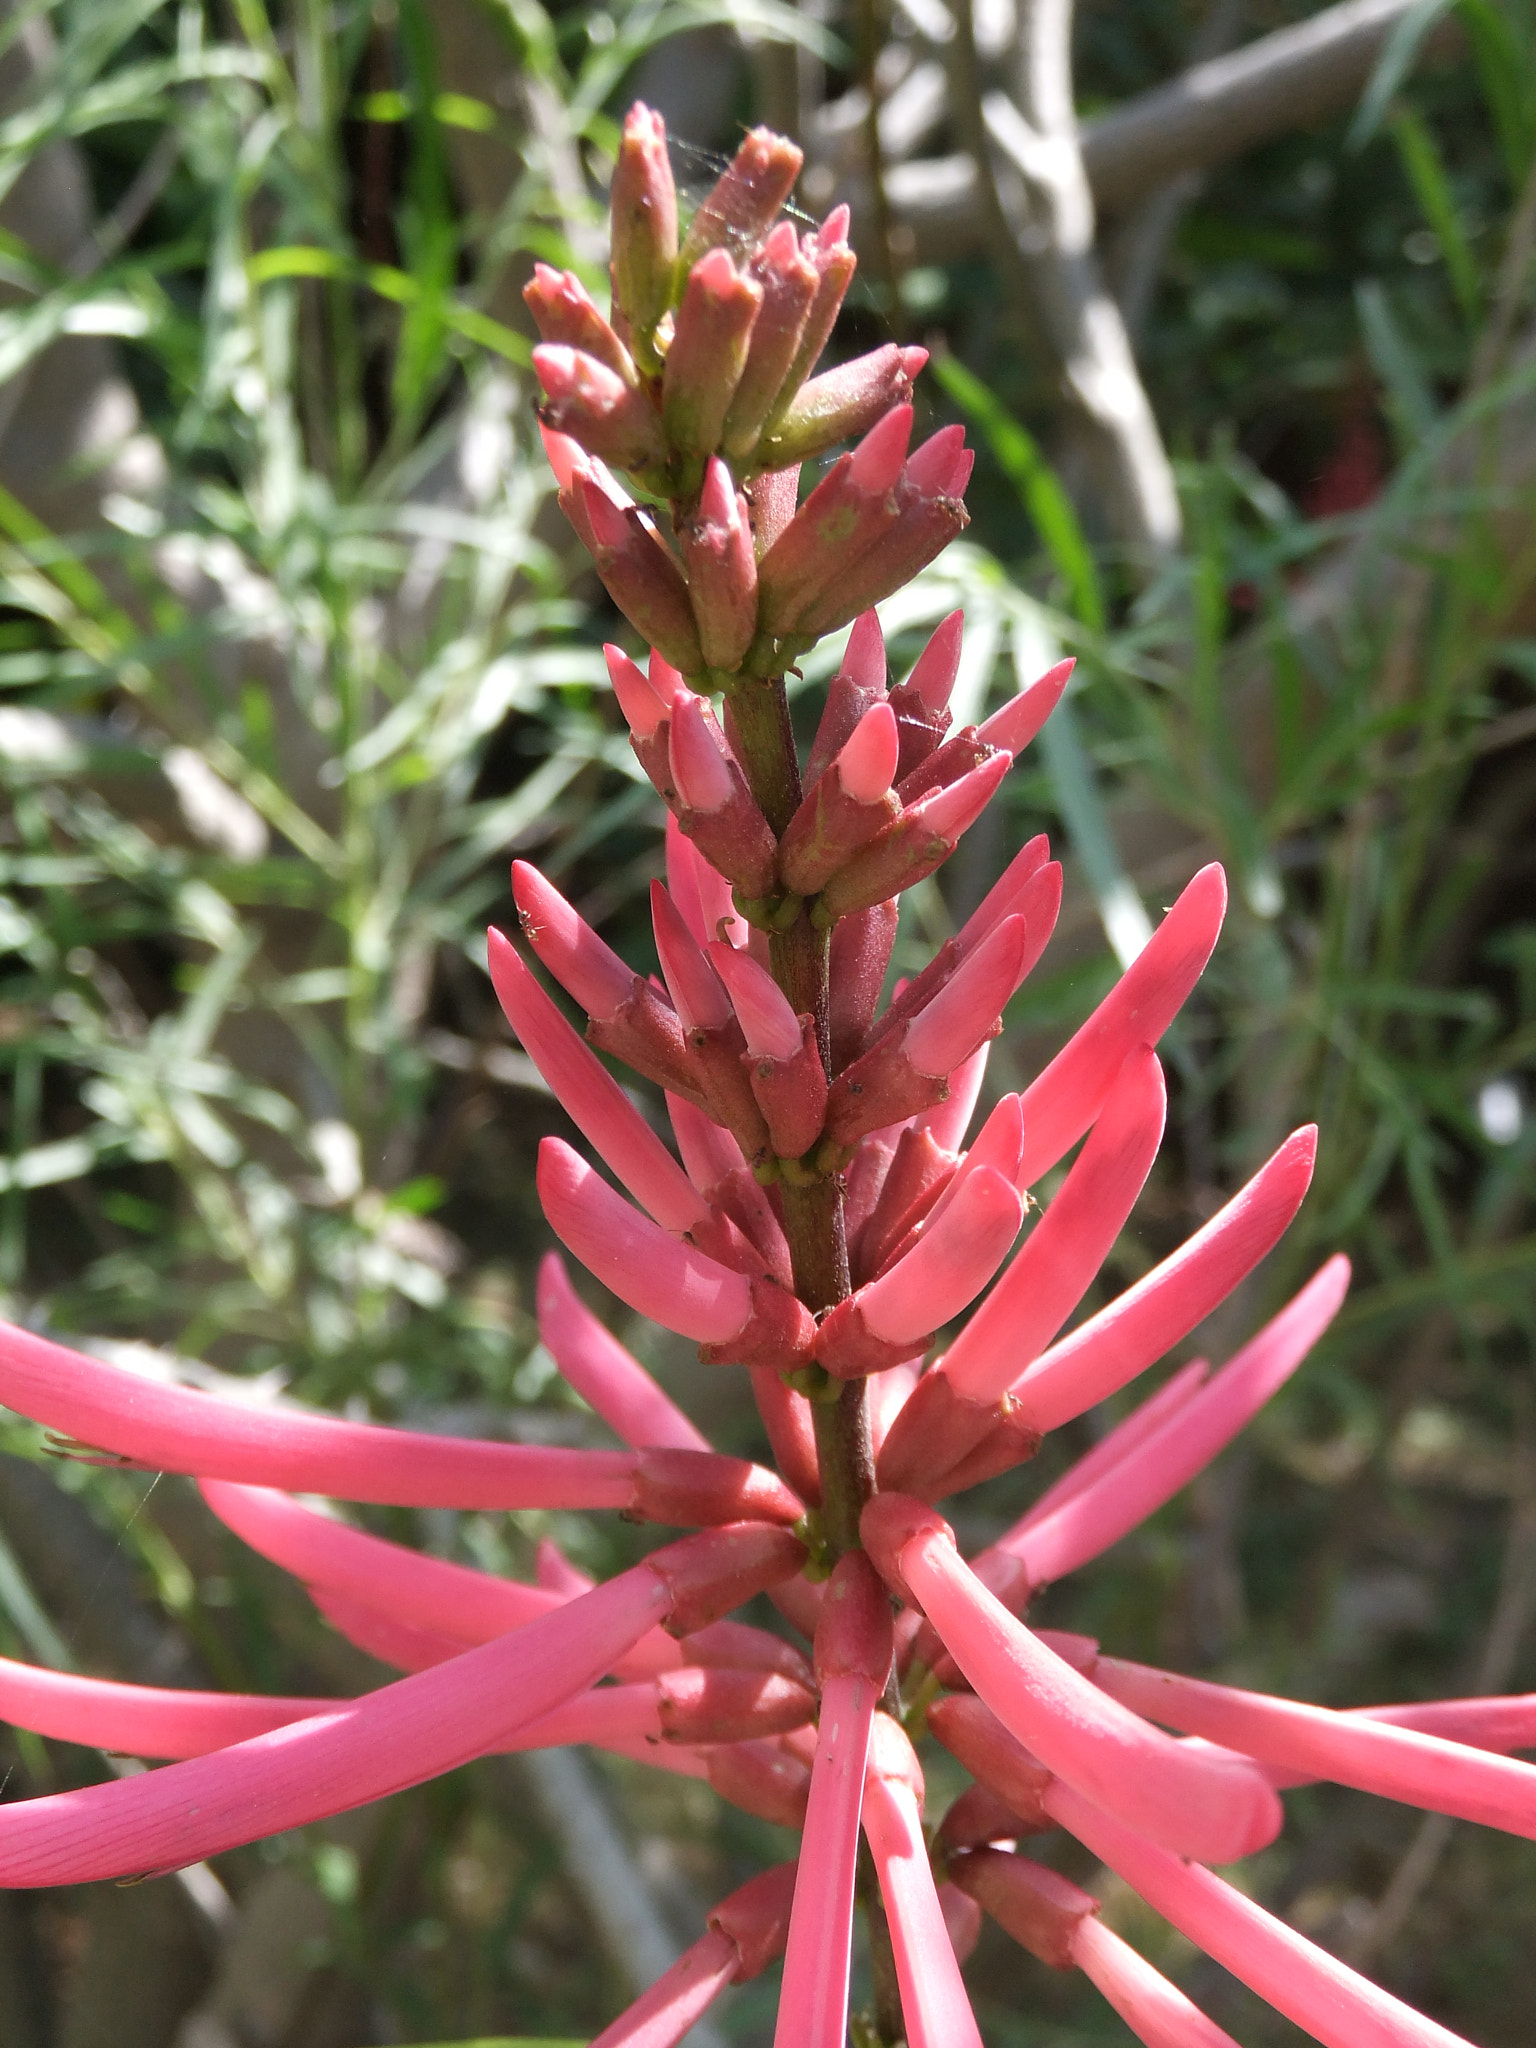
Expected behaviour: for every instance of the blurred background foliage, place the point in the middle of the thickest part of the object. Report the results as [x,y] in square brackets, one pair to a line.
[294,652]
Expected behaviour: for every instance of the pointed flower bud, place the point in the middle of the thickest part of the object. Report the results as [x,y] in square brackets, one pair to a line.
[952,1260]
[1021,718]
[850,804]
[698,995]
[564,311]
[708,353]
[866,529]
[910,1071]
[771,1026]
[841,403]
[921,839]
[722,569]
[861,953]
[745,200]
[643,211]
[626,1015]
[934,672]
[828,253]
[594,405]
[858,685]
[607,1377]
[598,1106]
[642,578]
[1064,1100]
[714,806]
[789,280]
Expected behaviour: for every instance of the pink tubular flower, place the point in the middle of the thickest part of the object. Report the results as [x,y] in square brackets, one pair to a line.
[824,1215]
[853,1655]
[934,2007]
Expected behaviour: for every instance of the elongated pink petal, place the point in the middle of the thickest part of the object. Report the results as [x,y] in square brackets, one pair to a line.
[578,959]
[597,1105]
[1111,1448]
[853,1655]
[661,2016]
[1500,1722]
[771,1027]
[998,1144]
[1330,2001]
[140,1720]
[1063,1101]
[424,1592]
[396,1643]
[696,990]
[700,891]
[949,1265]
[400,1735]
[1136,1328]
[1204,1805]
[1066,1248]
[178,1429]
[607,1377]
[947,1124]
[863,659]
[634,1258]
[1003,899]
[934,2007]
[968,1007]
[709,1152]
[1392,1761]
[1202,1426]
[1016,724]
[1156,2011]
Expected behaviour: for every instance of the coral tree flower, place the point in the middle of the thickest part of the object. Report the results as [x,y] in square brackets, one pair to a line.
[823,1223]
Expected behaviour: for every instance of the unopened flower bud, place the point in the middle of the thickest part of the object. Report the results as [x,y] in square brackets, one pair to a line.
[861,952]
[1040,1909]
[856,688]
[642,578]
[708,352]
[564,312]
[849,805]
[841,403]
[593,404]
[745,200]
[722,569]
[834,262]
[886,1321]
[713,804]
[643,211]
[905,1073]
[789,281]
[914,843]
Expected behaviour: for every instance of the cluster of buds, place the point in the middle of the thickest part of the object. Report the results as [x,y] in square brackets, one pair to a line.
[698,384]
[825,1221]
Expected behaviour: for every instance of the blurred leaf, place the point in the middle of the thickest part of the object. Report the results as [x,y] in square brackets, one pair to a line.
[1397,59]
[1426,173]
[1047,504]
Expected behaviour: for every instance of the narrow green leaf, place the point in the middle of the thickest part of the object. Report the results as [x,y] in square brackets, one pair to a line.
[1392,68]
[1409,399]
[1504,71]
[1425,169]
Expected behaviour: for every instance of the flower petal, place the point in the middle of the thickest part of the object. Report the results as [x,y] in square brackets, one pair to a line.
[178,1429]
